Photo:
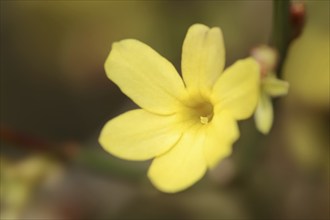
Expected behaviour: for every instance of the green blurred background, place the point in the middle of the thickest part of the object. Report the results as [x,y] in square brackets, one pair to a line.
[55,98]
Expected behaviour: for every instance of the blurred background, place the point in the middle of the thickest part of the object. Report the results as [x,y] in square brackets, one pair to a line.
[55,98]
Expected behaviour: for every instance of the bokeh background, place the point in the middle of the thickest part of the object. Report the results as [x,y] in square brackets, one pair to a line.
[55,98]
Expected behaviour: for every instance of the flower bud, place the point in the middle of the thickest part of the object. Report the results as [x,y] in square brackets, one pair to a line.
[297,17]
[267,57]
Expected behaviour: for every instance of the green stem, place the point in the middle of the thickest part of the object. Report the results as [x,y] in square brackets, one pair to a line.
[281,29]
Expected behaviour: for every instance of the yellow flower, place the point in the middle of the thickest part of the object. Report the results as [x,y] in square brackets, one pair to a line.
[187,125]
[270,87]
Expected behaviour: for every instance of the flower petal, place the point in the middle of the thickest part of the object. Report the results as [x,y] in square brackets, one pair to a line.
[182,166]
[237,89]
[221,134]
[275,87]
[203,57]
[145,76]
[139,135]
[264,114]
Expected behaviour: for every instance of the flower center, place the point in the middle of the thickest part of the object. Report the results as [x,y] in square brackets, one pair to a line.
[204,112]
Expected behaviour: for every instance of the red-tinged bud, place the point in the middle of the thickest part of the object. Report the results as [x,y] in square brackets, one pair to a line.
[297,16]
[267,57]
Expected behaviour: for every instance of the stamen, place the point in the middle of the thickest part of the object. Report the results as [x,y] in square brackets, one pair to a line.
[204,120]
[201,111]
[205,113]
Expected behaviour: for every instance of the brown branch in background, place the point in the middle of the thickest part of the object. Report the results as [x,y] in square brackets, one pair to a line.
[67,152]
[31,143]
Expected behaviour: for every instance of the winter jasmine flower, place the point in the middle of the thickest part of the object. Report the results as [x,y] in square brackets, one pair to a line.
[186,125]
